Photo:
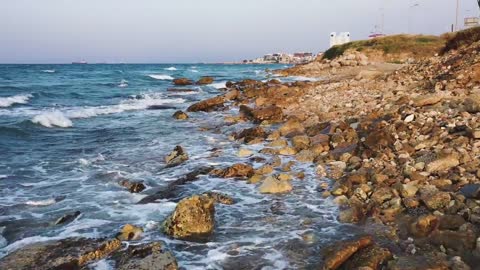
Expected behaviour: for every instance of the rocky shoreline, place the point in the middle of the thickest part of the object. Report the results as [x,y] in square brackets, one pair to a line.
[399,142]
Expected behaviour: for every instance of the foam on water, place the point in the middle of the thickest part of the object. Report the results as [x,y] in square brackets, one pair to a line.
[193,70]
[171,68]
[41,202]
[123,84]
[18,99]
[218,85]
[48,71]
[162,77]
[53,119]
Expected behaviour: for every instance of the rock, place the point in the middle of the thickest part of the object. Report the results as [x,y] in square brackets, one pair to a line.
[472,104]
[342,251]
[145,257]
[193,217]
[306,156]
[179,115]
[66,218]
[451,222]
[176,157]
[443,164]
[255,179]
[266,169]
[270,113]
[461,241]
[350,215]
[207,105]
[291,127]
[133,187]
[408,190]
[471,191]
[418,263]
[382,194]
[244,153]
[379,140]
[436,200]
[272,185]
[219,197]
[182,81]
[205,81]
[72,253]
[287,151]
[409,118]
[160,107]
[130,233]
[371,257]
[424,225]
[232,94]
[251,134]
[301,142]
[427,100]
[236,171]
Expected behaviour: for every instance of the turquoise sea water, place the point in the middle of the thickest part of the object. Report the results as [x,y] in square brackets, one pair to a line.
[69,132]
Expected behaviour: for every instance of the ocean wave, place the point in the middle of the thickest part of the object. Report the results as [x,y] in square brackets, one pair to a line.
[171,68]
[218,85]
[53,119]
[162,77]
[18,99]
[193,70]
[63,118]
[123,84]
[48,71]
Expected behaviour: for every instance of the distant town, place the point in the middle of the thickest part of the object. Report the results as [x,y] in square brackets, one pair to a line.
[283,58]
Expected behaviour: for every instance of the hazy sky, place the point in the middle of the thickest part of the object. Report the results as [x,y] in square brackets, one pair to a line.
[141,31]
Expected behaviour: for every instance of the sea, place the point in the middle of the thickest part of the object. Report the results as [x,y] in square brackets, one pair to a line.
[68,133]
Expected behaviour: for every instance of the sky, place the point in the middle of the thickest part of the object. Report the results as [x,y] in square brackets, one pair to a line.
[192,31]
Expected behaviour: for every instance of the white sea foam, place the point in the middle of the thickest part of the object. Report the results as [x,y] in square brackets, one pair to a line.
[123,84]
[171,68]
[102,265]
[49,71]
[52,119]
[2,176]
[18,99]
[218,85]
[161,77]
[194,70]
[41,202]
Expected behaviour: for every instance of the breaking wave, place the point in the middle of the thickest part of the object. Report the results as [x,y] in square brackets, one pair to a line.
[171,68]
[161,77]
[52,119]
[48,71]
[18,99]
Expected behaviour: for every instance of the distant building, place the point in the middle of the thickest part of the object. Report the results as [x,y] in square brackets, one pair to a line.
[339,39]
[471,22]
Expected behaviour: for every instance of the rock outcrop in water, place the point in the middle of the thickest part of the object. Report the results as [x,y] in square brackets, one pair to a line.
[193,218]
[205,81]
[182,82]
[207,105]
[180,115]
[176,157]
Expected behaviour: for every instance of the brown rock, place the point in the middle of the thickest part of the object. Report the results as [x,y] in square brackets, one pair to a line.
[207,105]
[301,142]
[176,157]
[460,241]
[133,187]
[427,100]
[179,115]
[236,171]
[341,252]
[145,257]
[472,104]
[273,185]
[250,134]
[443,164]
[270,113]
[424,225]
[219,197]
[418,263]
[436,200]
[193,217]
[182,81]
[205,81]
[371,257]
[130,233]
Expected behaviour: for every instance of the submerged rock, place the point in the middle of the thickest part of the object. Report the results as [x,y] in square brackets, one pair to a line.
[182,81]
[67,218]
[205,81]
[219,197]
[176,157]
[145,257]
[130,232]
[72,253]
[193,217]
[341,252]
[133,187]
[207,105]
[180,115]
[272,185]
[371,257]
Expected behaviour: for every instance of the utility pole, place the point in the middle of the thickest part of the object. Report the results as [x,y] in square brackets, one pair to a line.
[456,14]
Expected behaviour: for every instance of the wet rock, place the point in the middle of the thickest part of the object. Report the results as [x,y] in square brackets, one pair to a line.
[352,215]
[145,257]
[471,191]
[207,105]
[272,185]
[255,179]
[337,255]
[238,170]
[161,107]
[219,197]
[372,257]
[176,157]
[65,219]
[205,81]
[271,113]
[182,82]
[418,263]
[306,156]
[244,153]
[133,187]
[443,164]
[250,134]
[436,200]
[266,169]
[301,142]
[457,240]
[193,217]
[424,225]
[130,232]
[287,151]
[72,253]
[180,115]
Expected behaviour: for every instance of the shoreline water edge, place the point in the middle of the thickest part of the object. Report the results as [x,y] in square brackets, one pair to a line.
[368,165]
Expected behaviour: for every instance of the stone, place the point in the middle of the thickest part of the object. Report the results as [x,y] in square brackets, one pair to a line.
[287,151]
[266,169]
[382,194]
[271,113]
[371,257]
[205,81]
[176,157]
[272,185]
[207,105]
[338,254]
[418,263]
[180,115]
[132,186]
[436,200]
[238,170]
[461,241]
[305,156]
[291,127]
[193,218]
[145,257]
[424,225]
[182,82]
[255,179]
[130,232]
[471,191]
[72,253]
[443,164]
[301,142]
[427,100]
[408,190]
[65,219]
[219,197]
[250,134]
[472,104]
[244,153]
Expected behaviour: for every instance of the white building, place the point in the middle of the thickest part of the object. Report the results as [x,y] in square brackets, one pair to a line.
[339,39]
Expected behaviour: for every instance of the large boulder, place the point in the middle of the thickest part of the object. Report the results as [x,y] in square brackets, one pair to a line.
[207,105]
[73,253]
[443,163]
[252,134]
[176,157]
[372,257]
[179,115]
[193,217]
[338,254]
[182,82]
[205,81]
[270,113]
[272,185]
[145,257]
[238,170]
